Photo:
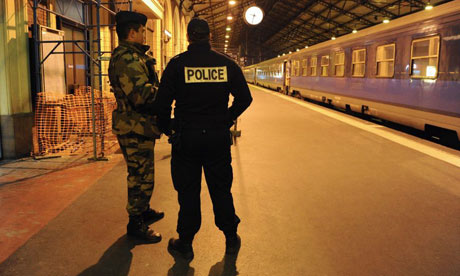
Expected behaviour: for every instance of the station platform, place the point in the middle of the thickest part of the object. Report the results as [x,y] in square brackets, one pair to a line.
[319,192]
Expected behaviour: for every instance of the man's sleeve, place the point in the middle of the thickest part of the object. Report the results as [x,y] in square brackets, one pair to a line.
[241,94]
[166,95]
[134,81]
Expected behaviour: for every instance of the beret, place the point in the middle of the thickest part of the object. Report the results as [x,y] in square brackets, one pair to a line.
[123,17]
[198,26]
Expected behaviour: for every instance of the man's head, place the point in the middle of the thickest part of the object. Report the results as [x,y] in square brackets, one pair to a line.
[198,30]
[130,26]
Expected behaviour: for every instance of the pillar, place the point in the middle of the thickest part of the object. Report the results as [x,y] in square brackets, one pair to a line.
[16,117]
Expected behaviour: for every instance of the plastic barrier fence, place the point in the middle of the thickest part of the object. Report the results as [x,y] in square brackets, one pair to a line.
[64,124]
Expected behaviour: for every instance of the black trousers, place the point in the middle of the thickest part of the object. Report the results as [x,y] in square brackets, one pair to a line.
[193,151]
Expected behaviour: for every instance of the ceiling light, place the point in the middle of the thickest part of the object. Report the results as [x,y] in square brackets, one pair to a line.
[297,50]
[333,37]
[290,52]
[386,21]
[429,6]
[306,46]
[231,2]
[279,55]
[226,41]
[229,17]
[228,29]
[227,36]
[354,31]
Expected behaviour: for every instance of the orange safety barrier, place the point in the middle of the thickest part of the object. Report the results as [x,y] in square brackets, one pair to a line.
[63,124]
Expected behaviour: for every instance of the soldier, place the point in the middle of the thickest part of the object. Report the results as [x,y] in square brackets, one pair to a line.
[135,84]
[200,81]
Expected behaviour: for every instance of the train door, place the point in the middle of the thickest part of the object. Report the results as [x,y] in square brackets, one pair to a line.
[287,76]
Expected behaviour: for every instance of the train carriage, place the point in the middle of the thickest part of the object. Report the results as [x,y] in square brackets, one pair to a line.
[406,71]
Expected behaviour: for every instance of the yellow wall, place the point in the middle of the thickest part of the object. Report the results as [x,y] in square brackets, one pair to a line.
[15,96]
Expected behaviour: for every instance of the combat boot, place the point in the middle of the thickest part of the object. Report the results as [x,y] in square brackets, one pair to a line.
[178,248]
[151,215]
[232,244]
[137,228]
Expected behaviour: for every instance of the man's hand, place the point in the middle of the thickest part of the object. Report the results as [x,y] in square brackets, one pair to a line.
[153,77]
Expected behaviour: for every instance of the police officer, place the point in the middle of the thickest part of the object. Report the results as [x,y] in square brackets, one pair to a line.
[135,84]
[200,81]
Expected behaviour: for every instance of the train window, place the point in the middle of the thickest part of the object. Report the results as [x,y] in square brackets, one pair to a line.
[313,66]
[304,67]
[339,64]
[358,63]
[324,65]
[386,60]
[424,59]
[296,68]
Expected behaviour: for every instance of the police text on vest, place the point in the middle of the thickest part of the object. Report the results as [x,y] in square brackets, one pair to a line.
[205,74]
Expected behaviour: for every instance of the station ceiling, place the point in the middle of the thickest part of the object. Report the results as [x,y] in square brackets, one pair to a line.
[293,24]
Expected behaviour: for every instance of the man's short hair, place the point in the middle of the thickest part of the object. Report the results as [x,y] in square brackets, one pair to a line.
[127,20]
[123,30]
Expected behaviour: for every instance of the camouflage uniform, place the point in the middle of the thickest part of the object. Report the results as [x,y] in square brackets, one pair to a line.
[135,84]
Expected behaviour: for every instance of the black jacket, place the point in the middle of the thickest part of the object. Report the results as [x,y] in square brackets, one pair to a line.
[200,81]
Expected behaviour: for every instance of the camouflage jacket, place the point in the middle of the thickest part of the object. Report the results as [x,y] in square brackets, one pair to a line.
[135,84]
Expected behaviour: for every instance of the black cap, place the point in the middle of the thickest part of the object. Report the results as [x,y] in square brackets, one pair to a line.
[128,16]
[198,26]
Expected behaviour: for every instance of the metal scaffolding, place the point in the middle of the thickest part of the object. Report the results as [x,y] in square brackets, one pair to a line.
[91,44]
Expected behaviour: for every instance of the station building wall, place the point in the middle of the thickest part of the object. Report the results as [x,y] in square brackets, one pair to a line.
[16,96]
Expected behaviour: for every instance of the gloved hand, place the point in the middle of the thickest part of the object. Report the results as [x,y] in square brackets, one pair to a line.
[153,77]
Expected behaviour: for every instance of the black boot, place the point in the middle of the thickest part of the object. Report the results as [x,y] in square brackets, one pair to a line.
[232,244]
[137,228]
[151,215]
[178,248]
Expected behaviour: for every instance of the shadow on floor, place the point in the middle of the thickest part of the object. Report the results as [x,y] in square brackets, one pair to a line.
[226,267]
[116,260]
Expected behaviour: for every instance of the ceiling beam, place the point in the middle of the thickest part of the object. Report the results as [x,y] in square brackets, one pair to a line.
[290,19]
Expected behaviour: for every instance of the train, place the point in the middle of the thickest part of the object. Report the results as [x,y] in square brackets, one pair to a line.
[406,71]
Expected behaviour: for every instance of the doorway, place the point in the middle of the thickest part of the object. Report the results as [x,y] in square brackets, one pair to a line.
[75,62]
[287,76]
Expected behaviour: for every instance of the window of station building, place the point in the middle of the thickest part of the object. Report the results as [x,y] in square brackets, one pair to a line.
[304,67]
[324,66]
[385,60]
[424,57]
[313,66]
[358,62]
[339,64]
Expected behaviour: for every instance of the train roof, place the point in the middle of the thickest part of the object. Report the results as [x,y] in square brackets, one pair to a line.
[446,9]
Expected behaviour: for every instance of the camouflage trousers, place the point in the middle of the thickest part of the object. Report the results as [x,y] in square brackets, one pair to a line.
[138,153]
